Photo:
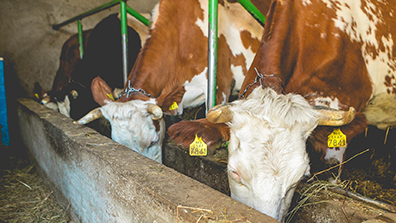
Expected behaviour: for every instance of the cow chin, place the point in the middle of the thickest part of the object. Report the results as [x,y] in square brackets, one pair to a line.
[132,126]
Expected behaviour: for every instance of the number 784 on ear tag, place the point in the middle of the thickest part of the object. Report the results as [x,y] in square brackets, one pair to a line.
[336,139]
[198,147]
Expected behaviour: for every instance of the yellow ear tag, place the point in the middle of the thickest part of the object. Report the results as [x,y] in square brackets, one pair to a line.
[198,147]
[174,106]
[336,139]
[110,96]
[36,96]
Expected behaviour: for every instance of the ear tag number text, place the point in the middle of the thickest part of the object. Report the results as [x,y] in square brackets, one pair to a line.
[336,139]
[198,147]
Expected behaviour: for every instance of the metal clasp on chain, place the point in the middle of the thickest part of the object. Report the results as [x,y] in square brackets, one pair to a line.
[129,90]
[258,79]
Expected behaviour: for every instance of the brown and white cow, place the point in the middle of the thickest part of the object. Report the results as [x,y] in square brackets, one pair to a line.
[71,94]
[338,54]
[171,70]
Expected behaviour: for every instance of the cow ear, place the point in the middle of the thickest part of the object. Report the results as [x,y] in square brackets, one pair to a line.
[101,91]
[170,102]
[39,92]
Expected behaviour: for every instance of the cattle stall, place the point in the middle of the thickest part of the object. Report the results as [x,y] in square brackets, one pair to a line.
[99,179]
[106,179]
[103,181]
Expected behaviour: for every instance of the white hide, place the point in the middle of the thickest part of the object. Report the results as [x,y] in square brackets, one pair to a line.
[267,154]
[361,26]
[132,126]
[196,90]
[64,106]
[231,28]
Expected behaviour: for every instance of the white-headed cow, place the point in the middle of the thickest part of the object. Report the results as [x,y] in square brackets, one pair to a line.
[338,54]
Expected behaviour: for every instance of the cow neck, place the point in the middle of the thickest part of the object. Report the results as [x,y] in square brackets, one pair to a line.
[265,80]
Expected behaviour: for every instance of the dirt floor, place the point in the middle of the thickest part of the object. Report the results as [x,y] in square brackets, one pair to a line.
[23,195]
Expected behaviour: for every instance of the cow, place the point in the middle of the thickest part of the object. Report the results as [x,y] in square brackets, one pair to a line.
[70,56]
[71,91]
[170,73]
[333,54]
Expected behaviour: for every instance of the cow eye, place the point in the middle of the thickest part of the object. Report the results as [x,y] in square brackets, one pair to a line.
[234,174]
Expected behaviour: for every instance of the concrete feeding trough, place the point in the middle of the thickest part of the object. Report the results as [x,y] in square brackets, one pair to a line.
[99,180]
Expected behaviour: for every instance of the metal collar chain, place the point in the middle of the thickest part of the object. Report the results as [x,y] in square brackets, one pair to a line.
[258,79]
[129,90]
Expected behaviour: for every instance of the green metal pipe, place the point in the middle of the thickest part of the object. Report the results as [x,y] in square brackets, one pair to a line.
[88,13]
[253,10]
[138,16]
[212,54]
[124,39]
[80,38]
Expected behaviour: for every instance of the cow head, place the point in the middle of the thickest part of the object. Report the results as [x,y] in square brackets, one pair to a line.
[267,147]
[136,118]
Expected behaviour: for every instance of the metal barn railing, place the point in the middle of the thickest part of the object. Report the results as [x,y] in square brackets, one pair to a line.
[123,10]
[212,38]
[212,45]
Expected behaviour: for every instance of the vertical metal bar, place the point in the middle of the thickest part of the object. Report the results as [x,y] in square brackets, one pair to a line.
[80,38]
[212,54]
[124,39]
[248,5]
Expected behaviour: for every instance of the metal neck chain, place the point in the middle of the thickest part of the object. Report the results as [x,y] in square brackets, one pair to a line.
[129,90]
[258,79]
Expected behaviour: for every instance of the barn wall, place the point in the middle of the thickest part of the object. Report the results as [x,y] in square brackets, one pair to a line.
[29,45]
[102,181]
[31,48]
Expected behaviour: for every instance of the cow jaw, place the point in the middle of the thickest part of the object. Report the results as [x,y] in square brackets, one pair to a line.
[132,126]
[267,155]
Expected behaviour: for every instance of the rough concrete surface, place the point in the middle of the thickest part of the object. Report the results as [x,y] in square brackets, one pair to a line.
[103,181]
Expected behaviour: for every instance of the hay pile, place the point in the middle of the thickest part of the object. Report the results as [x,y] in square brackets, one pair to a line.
[25,198]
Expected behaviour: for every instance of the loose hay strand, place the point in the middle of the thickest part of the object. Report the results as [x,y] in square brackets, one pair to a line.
[323,171]
[386,135]
[191,208]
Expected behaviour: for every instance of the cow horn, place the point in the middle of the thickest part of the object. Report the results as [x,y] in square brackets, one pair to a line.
[331,117]
[91,116]
[155,110]
[220,114]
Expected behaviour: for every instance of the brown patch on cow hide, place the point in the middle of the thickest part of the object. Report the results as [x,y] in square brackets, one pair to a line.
[249,41]
[172,54]
[390,83]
